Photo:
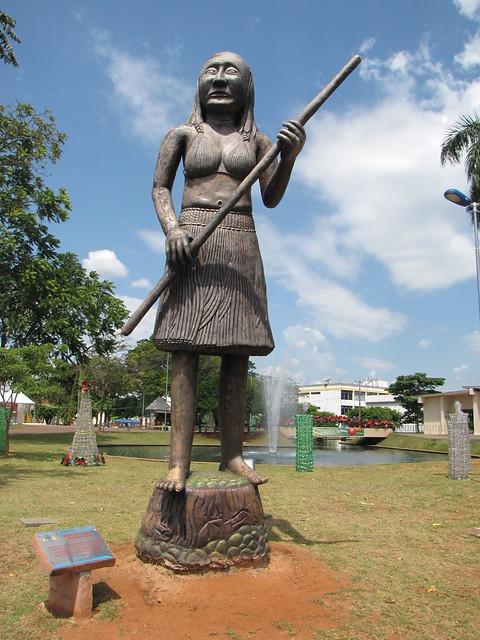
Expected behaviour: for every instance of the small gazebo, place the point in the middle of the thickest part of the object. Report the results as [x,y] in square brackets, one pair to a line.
[158,413]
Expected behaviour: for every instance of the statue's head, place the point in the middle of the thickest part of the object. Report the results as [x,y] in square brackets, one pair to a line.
[225,83]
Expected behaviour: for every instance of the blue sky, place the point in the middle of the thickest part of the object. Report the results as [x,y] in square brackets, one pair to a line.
[369,270]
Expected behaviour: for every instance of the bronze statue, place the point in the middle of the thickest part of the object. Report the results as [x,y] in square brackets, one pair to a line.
[217,304]
[214,302]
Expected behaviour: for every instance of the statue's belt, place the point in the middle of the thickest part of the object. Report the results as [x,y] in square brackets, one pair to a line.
[236,221]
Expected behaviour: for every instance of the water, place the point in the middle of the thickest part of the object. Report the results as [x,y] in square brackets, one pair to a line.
[330,455]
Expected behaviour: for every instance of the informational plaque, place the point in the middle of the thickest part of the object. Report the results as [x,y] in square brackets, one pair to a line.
[72,550]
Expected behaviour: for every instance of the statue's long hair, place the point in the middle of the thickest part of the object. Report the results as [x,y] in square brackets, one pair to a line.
[247,126]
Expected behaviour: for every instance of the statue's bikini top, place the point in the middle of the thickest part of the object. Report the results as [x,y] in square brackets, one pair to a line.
[203,158]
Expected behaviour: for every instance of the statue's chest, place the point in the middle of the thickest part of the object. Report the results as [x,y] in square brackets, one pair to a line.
[209,153]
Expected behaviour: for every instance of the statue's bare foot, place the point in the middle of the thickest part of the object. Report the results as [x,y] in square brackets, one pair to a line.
[174,480]
[239,467]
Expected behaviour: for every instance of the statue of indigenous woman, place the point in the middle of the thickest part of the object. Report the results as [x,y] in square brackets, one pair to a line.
[217,303]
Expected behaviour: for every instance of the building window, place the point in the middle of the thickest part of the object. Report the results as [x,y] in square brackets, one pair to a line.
[362,396]
[344,410]
[346,395]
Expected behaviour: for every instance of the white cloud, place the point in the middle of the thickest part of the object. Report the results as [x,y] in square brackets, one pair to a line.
[105,263]
[332,306]
[141,283]
[79,14]
[424,343]
[145,327]
[309,368]
[152,99]
[309,357]
[473,341]
[462,367]
[376,364]
[470,56]
[468,8]
[278,371]
[378,165]
[153,239]
[298,336]
[366,45]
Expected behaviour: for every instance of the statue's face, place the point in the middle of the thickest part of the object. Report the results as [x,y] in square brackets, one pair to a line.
[223,82]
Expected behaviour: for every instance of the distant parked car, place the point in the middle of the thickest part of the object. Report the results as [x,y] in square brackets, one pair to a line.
[125,422]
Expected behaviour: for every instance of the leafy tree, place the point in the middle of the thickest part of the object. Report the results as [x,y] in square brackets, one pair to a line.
[7,33]
[29,369]
[207,388]
[290,405]
[46,295]
[377,413]
[462,140]
[149,370]
[255,392]
[406,390]
[110,383]
[312,410]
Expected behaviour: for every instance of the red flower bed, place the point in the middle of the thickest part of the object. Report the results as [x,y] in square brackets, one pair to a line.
[351,423]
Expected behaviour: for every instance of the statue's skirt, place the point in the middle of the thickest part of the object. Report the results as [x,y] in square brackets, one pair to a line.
[219,304]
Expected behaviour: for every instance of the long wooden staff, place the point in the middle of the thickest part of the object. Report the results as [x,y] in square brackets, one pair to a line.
[210,227]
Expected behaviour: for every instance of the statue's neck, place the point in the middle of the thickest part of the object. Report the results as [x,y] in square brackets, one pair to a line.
[222,122]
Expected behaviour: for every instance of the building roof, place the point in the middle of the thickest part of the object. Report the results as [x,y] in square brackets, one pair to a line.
[347,386]
[159,404]
[466,391]
[17,397]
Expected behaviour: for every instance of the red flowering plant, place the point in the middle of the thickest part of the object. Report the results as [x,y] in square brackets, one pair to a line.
[351,423]
[79,461]
[330,420]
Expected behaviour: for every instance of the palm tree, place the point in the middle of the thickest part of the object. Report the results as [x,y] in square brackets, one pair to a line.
[463,140]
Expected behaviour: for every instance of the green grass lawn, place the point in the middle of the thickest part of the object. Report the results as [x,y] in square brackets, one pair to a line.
[400,534]
[406,441]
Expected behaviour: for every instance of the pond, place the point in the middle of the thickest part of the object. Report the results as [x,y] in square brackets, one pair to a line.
[329,454]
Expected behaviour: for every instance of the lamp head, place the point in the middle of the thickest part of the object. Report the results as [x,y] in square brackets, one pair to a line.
[457,197]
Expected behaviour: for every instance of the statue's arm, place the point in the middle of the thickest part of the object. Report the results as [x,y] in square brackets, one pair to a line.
[177,243]
[275,179]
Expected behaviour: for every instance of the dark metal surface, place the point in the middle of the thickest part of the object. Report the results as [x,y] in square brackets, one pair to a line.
[216,282]
[245,185]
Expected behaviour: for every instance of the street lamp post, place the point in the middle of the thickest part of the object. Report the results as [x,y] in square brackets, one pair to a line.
[359,400]
[457,197]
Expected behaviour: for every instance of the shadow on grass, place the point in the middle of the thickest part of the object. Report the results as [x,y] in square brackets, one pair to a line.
[41,438]
[103,592]
[36,456]
[279,530]
[12,473]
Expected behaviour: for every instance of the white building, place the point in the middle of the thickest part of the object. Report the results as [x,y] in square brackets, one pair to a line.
[20,405]
[437,407]
[341,397]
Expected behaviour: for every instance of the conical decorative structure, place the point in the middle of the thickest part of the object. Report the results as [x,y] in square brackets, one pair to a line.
[84,449]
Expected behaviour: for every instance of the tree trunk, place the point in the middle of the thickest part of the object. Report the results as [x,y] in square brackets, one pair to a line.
[216,523]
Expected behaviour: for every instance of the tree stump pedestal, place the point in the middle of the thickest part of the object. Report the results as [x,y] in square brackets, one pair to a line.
[217,522]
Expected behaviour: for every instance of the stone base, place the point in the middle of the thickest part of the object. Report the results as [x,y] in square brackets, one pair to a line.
[216,523]
[70,594]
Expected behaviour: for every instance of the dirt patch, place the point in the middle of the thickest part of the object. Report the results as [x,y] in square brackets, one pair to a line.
[293,597]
